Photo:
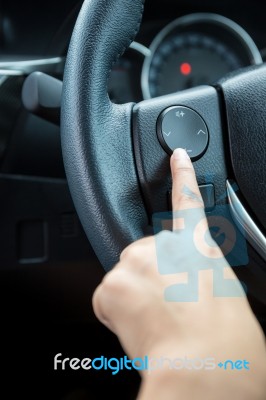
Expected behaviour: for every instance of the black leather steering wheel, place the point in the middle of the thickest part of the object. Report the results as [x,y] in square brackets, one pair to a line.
[117,170]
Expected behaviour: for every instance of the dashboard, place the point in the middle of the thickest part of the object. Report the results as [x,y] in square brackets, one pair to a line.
[181,44]
[192,50]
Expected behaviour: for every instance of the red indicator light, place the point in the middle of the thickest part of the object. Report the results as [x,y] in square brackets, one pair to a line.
[185,69]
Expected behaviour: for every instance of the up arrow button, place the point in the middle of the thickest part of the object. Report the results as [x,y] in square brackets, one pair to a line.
[201,132]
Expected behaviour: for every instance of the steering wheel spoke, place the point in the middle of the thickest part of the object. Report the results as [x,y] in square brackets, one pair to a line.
[192,122]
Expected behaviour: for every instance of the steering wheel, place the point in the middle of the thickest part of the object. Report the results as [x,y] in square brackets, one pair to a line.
[117,156]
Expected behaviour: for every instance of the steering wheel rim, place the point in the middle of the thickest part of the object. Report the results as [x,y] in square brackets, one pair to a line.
[96,134]
[107,148]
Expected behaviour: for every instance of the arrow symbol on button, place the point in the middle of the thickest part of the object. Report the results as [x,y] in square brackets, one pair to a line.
[201,131]
[167,134]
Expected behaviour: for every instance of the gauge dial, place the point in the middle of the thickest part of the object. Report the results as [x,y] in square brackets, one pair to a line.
[189,60]
[194,50]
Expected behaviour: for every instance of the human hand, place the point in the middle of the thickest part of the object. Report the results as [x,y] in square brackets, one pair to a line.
[130,301]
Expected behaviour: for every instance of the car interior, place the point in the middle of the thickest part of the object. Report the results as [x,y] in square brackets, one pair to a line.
[80,87]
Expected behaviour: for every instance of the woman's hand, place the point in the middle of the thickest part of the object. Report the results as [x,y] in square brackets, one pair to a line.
[131,302]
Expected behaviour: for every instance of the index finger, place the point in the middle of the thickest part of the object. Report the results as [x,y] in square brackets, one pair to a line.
[185,191]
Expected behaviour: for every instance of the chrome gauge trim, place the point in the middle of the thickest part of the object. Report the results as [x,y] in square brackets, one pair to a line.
[240,215]
[226,23]
[145,51]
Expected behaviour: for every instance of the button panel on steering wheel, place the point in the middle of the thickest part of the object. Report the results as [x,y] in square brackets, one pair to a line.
[182,127]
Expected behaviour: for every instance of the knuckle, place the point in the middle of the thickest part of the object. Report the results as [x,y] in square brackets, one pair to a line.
[188,200]
[133,253]
[186,170]
[128,251]
[114,282]
[184,198]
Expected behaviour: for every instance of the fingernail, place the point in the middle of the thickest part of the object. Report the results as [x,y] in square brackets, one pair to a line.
[180,154]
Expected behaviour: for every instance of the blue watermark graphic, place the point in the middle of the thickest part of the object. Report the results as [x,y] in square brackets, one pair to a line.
[149,364]
[189,250]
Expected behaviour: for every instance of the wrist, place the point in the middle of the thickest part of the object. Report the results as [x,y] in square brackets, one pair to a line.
[159,386]
[163,384]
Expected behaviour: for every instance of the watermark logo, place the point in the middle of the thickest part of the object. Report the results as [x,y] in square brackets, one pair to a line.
[190,250]
[146,363]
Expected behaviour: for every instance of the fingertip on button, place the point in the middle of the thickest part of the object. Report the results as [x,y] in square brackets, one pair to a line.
[180,154]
